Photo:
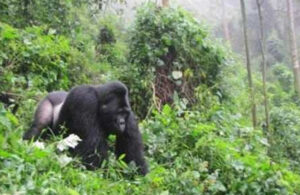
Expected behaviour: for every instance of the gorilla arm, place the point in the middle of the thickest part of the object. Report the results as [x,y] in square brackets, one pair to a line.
[79,114]
[130,143]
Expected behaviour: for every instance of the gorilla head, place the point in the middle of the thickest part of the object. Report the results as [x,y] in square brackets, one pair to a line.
[115,107]
[93,113]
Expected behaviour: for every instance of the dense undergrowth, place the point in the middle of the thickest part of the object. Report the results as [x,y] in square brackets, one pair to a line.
[199,145]
[188,153]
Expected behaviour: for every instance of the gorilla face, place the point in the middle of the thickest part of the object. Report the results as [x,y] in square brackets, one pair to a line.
[114,113]
[120,120]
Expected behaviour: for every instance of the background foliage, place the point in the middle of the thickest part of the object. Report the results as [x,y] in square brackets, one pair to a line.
[171,51]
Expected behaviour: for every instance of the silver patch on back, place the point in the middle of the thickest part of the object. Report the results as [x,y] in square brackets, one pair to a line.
[56,111]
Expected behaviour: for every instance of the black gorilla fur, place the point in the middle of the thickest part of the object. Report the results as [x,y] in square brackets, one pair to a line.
[93,113]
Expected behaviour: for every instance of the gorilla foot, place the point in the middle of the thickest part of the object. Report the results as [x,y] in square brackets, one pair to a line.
[31,134]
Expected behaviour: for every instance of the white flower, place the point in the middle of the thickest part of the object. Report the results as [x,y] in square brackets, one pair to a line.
[264,141]
[69,142]
[177,75]
[40,145]
[64,160]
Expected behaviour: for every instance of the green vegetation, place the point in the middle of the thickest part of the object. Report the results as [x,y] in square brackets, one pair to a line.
[189,92]
[170,51]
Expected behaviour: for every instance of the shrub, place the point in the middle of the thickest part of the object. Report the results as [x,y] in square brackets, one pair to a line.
[36,58]
[285,135]
[202,160]
[169,52]
[27,13]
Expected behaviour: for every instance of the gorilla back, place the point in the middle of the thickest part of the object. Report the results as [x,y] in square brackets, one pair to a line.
[93,113]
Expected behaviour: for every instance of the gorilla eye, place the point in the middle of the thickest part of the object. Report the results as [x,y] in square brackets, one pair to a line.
[124,110]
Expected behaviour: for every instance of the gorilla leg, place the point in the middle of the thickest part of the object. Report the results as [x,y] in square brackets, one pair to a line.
[46,114]
[92,151]
[130,143]
[43,118]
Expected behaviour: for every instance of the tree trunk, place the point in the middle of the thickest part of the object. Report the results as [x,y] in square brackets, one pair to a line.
[165,3]
[293,46]
[26,13]
[244,17]
[264,64]
[225,23]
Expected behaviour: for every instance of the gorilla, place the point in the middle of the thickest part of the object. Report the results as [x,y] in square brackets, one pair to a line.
[93,113]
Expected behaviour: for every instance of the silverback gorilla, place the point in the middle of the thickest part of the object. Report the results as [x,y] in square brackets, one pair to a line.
[93,113]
